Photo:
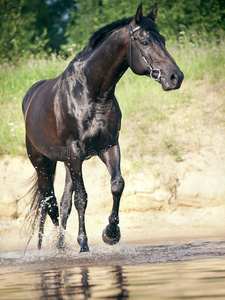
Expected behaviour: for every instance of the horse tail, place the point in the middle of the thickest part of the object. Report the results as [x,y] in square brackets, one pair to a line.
[35,202]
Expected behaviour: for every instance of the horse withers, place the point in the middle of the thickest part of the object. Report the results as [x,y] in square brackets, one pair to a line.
[76,115]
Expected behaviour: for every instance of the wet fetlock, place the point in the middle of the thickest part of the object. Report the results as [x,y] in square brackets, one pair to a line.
[83,242]
[61,243]
[40,237]
[84,248]
[111,235]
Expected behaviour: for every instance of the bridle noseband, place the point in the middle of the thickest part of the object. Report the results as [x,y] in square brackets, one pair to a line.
[132,39]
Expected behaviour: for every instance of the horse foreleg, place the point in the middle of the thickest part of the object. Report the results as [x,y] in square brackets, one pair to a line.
[65,207]
[111,158]
[80,197]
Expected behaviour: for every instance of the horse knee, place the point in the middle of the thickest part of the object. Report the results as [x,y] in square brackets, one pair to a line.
[117,186]
[66,204]
[80,201]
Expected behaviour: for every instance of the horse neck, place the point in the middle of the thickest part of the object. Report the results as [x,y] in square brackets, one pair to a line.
[106,64]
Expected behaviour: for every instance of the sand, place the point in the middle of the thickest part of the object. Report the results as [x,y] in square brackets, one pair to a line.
[184,204]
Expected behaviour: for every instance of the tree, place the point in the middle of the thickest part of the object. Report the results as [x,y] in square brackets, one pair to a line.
[39,26]
[174,16]
[195,15]
[52,17]
[90,15]
[13,33]
[32,26]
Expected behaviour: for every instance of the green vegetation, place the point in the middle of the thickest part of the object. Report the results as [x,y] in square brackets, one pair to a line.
[157,122]
[174,16]
[39,43]
[15,80]
[153,122]
[40,27]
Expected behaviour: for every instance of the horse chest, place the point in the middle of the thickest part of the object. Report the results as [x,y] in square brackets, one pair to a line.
[100,131]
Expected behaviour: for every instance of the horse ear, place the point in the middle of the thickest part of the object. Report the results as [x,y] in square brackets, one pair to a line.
[139,14]
[153,14]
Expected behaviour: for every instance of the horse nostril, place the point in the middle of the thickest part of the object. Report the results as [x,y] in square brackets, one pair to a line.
[174,78]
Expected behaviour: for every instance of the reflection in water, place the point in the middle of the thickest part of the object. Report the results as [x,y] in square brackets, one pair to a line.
[85,284]
[186,271]
[76,283]
[196,279]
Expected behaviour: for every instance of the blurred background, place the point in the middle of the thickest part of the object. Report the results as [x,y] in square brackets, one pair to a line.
[41,27]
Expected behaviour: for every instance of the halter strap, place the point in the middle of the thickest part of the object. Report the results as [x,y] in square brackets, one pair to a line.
[132,39]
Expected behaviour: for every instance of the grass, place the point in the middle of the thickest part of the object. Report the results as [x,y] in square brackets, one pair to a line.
[171,123]
[15,80]
[154,121]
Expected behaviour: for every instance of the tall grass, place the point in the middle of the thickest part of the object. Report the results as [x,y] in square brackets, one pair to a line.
[149,113]
[15,80]
[157,122]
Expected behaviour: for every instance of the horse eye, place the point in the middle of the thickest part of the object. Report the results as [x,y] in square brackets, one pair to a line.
[144,43]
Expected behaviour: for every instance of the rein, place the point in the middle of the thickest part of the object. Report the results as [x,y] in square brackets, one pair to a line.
[157,72]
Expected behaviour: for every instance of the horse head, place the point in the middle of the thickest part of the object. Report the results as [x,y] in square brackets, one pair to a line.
[147,53]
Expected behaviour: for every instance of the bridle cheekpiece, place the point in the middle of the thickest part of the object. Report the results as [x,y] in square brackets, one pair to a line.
[157,73]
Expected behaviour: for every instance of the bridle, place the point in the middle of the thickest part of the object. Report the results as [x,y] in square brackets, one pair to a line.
[157,73]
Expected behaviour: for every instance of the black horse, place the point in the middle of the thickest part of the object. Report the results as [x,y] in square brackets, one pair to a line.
[76,115]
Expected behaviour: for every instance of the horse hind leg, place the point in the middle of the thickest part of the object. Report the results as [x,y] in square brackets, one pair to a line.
[46,203]
[48,207]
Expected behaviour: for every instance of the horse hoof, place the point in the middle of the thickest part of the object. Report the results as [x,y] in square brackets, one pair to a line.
[61,245]
[39,243]
[114,238]
[84,248]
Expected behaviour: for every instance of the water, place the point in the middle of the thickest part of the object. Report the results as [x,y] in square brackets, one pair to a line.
[173,271]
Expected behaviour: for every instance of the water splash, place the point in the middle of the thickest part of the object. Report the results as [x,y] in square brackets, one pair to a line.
[100,254]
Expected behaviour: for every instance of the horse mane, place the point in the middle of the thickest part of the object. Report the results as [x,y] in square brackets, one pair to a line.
[101,35]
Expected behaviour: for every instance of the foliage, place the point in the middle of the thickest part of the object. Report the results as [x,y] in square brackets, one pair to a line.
[90,15]
[174,16]
[51,17]
[32,27]
[195,15]
[44,26]
[13,29]
[150,123]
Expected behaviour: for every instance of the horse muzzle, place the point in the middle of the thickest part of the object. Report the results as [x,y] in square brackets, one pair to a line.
[172,81]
